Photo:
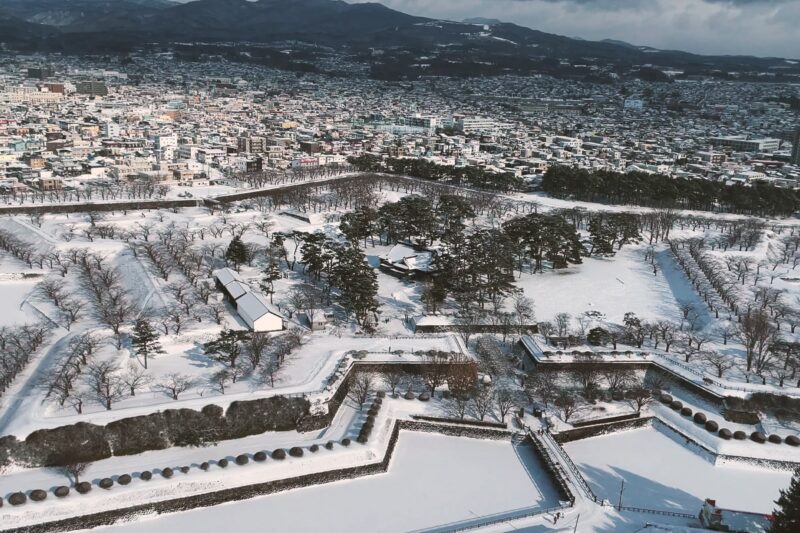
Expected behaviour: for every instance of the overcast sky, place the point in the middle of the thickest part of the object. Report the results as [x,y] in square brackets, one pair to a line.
[753,27]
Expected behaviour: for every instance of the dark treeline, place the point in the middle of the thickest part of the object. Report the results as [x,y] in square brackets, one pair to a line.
[656,190]
[419,168]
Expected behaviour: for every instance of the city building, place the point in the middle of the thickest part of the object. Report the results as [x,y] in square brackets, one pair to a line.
[741,143]
[91,88]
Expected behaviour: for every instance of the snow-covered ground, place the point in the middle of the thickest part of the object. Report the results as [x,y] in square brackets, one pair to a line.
[612,286]
[660,473]
[432,480]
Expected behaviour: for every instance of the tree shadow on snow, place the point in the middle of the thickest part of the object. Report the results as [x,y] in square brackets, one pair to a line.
[640,491]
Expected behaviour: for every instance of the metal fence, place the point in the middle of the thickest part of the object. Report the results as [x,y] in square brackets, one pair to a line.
[492,519]
[656,511]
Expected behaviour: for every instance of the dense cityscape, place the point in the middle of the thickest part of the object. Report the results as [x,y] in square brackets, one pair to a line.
[71,124]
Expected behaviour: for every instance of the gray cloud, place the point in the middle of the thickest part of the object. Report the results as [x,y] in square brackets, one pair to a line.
[753,27]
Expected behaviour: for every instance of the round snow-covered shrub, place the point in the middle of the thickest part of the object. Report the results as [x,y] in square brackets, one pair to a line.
[167,472]
[18,498]
[222,463]
[372,411]
[617,396]
[296,451]
[345,442]
[686,411]
[38,495]
[106,483]
[409,395]
[146,475]
[260,456]
[381,394]
[61,492]
[184,469]
[204,465]
[739,435]
[793,440]
[314,448]
[775,439]
[242,459]
[362,439]
[279,454]
[700,418]
[675,405]
[712,426]
[329,445]
[759,437]
[425,396]
[666,398]
[124,479]
[725,433]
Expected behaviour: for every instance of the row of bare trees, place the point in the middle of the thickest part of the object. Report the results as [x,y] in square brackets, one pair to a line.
[17,345]
[145,188]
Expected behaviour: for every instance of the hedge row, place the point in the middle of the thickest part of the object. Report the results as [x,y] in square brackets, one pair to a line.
[84,442]
[724,433]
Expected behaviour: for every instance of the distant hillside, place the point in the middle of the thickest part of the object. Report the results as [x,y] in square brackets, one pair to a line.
[456,48]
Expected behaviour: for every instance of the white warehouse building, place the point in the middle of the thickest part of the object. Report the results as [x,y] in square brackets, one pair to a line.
[252,308]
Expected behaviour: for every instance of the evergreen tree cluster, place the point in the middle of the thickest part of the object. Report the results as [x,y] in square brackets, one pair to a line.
[656,190]
[537,238]
[413,218]
[610,230]
[419,168]
[787,513]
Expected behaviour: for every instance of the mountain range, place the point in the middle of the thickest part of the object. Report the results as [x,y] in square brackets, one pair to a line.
[118,25]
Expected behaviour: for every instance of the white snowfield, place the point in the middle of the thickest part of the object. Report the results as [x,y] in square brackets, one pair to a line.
[433,480]
[660,473]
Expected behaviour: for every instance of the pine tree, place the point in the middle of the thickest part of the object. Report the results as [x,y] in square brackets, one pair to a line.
[236,253]
[358,284]
[272,273]
[787,514]
[145,340]
[226,348]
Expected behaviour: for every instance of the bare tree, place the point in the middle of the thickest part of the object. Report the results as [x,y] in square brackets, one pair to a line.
[505,401]
[483,401]
[618,379]
[719,362]
[523,312]
[458,405]
[562,321]
[75,471]
[219,380]
[435,372]
[667,332]
[542,384]
[756,333]
[105,383]
[361,386]
[586,372]
[52,290]
[256,347]
[394,379]
[567,404]
[216,311]
[135,378]
[639,397]
[174,384]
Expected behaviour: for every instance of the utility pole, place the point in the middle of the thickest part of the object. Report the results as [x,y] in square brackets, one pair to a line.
[621,488]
